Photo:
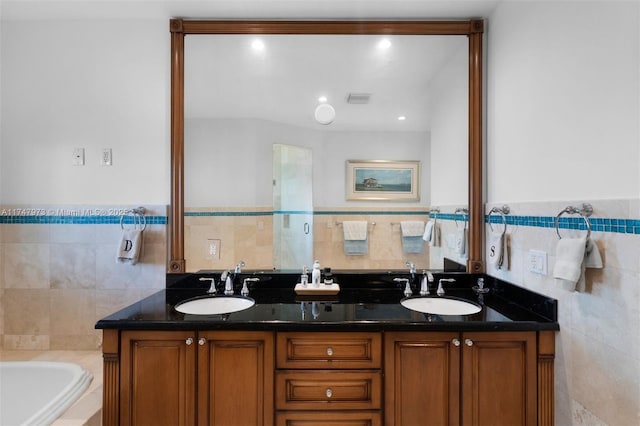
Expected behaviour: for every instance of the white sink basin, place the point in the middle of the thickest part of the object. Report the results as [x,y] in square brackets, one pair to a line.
[441,306]
[215,305]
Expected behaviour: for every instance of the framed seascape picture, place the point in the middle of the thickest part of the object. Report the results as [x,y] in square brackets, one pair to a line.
[383,180]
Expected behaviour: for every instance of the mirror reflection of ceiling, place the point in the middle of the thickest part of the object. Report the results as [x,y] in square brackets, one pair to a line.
[281,78]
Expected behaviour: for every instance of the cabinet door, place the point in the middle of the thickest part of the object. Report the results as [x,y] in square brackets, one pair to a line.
[499,378]
[235,378]
[157,378]
[422,379]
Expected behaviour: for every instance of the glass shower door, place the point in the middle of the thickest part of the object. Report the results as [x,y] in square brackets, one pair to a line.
[292,207]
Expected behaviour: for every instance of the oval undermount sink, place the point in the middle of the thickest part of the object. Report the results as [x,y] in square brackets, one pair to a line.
[215,305]
[441,306]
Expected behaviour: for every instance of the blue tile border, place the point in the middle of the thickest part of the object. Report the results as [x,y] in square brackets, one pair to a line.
[614,225]
[620,226]
[77,220]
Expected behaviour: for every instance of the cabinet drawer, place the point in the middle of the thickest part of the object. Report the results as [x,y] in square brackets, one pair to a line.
[329,350]
[328,390]
[324,418]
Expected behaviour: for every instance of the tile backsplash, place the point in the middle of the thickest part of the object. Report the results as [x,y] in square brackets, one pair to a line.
[598,346]
[59,275]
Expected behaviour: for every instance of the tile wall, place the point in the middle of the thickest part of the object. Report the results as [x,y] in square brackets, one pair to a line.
[598,346]
[58,273]
[247,234]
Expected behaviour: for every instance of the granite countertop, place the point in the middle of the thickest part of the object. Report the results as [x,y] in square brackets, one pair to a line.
[371,304]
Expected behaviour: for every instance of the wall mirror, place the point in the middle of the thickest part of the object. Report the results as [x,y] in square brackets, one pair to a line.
[244,134]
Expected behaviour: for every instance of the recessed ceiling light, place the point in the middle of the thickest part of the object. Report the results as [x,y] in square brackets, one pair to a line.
[322,99]
[402,118]
[257,44]
[385,43]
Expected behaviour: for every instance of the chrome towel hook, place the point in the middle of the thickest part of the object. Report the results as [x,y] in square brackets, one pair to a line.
[139,219]
[585,212]
[464,211]
[503,211]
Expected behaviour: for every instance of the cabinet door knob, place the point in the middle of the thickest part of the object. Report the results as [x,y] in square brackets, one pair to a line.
[456,342]
[330,351]
[329,393]
[202,341]
[189,341]
[468,342]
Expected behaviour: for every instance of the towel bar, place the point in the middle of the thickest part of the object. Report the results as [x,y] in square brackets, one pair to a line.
[584,212]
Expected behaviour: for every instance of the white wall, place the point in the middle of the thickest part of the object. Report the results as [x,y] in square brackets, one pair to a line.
[563,95]
[563,101]
[92,84]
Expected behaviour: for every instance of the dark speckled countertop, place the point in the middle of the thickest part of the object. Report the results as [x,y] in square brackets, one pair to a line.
[367,301]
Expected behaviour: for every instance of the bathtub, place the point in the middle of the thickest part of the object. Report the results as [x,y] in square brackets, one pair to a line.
[38,392]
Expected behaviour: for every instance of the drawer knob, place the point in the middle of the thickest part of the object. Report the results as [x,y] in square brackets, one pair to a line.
[329,393]
[202,341]
[456,342]
[330,351]
[189,341]
[468,342]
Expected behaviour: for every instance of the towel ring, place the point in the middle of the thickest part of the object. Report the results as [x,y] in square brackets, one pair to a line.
[503,211]
[139,219]
[584,212]
[455,215]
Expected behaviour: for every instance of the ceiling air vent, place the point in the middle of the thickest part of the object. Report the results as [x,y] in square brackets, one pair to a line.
[358,98]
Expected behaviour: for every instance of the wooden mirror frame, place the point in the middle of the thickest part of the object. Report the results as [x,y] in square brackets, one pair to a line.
[473,29]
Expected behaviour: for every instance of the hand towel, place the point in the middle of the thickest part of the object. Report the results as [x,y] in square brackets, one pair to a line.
[592,257]
[355,230]
[412,228]
[435,235]
[496,249]
[412,232]
[569,258]
[461,242]
[355,237]
[499,250]
[130,247]
[428,231]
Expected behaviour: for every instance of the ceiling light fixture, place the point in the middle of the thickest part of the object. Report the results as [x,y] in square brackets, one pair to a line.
[401,118]
[325,114]
[322,99]
[258,45]
[385,43]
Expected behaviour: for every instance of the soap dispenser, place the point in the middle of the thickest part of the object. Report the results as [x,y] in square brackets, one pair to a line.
[315,274]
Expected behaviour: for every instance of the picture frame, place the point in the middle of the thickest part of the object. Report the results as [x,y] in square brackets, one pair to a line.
[383,180]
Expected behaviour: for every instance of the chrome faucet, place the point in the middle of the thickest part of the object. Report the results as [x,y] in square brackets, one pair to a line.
[440,291]
[411,266]
[239,267]
[427,277]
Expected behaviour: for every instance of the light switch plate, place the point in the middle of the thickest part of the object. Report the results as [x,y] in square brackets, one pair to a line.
[105,158]
[78,157]
[537,262]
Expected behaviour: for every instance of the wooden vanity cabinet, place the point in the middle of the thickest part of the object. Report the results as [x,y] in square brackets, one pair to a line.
[475,378]
[186,378]
[328,378]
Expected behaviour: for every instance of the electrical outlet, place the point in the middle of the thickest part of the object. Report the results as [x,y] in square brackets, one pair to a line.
[105,158]
[213,249]
[78,157]
[537,261]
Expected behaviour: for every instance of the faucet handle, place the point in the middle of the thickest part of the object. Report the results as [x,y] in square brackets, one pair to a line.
[440,291]
[212,288]
[407,288]
[245,288]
